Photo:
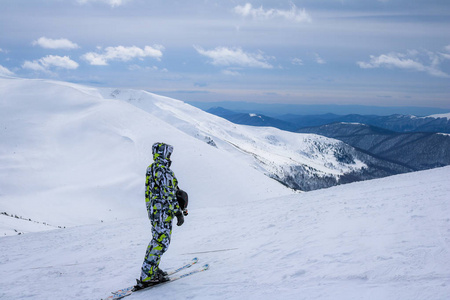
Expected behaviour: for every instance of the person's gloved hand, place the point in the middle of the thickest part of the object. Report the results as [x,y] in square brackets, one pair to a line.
[180,219]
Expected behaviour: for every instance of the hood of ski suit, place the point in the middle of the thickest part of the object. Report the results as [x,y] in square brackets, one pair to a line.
[162,152]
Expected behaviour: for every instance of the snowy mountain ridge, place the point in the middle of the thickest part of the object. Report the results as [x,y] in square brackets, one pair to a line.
[269,146]
[70,156]
[295,122]
[73,154]
[446,116]
[300,161]
[415,150]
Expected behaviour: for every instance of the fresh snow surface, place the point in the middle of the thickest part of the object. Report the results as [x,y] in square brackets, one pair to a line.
[74,156]
[70,157]
[268,149]
[382,239]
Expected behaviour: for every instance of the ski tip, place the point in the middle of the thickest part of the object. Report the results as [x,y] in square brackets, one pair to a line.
[206,267]
[195,259]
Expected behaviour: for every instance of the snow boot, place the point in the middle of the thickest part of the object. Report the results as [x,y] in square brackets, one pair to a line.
[143,283]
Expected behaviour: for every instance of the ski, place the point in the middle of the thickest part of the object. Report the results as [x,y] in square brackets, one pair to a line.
[188,265]
[129,290]
[203,268]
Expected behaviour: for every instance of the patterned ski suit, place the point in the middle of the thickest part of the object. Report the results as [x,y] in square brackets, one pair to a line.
[162,205]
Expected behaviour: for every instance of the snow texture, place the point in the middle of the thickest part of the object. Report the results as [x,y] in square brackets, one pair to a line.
[73,157]
[381,239]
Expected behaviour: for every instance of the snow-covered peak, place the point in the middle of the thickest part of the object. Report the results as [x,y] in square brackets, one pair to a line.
[265,147]
[86,147]
[255,115]
[447,116]
[69,156]
[353,123]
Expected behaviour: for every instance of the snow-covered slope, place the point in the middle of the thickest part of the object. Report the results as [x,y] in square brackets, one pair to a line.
[68,156]
[300,161]
[381,239]
[269,149]
[72,154]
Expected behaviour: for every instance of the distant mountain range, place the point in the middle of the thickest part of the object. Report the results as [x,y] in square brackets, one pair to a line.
[291,122]
[416,150]
[275,110]
[398,123]
[416,143]
[253,119]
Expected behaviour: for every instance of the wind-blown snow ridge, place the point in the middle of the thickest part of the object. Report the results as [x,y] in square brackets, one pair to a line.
[272,148]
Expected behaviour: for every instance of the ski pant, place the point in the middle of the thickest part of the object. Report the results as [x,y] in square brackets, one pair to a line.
[161,232]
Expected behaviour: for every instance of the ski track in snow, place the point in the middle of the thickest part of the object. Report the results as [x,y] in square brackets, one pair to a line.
[381,239]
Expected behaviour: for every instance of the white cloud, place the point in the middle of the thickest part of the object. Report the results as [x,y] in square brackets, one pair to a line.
[435,59]
[5,71]
[408,61]
[231,72]
[391,60]
[121,53]
[33,65]
[446,55]
[135,67]
[223,56]
[55,43]
[319,59]
[112,3]
[297,61]
[45,63]
[294,14]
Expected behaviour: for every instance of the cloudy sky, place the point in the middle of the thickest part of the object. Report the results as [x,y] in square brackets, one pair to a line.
[368,52]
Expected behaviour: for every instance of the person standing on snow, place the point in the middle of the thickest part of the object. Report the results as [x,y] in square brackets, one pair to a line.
[161,188]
